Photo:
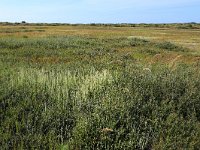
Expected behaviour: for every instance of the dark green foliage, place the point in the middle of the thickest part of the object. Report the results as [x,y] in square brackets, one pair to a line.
[26,124]
[138,42]
[192,25]
[170,46]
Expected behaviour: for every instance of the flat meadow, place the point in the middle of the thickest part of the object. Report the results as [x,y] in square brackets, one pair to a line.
[75,87]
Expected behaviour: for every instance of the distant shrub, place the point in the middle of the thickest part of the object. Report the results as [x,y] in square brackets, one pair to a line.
[149,51]
[169,46]
[25,36]
[188,26]
[138,42]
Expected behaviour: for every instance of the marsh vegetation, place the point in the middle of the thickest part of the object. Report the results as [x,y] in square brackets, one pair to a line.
[72,87]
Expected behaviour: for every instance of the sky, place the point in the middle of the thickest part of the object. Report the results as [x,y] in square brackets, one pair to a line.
[100,11]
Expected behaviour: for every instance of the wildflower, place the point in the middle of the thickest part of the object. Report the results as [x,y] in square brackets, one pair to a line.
[147,69]
[106,130]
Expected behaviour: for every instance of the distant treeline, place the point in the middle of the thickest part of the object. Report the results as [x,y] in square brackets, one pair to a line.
[191,25]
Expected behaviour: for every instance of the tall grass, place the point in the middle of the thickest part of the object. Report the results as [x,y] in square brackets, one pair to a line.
[102,98]
[107,109]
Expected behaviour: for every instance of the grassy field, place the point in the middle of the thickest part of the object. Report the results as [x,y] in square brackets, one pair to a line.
[99,86]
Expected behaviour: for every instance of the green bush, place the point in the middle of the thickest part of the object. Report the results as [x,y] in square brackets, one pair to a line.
[170,46]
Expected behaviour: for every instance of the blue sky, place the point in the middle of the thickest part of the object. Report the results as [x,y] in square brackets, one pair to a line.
[100,11]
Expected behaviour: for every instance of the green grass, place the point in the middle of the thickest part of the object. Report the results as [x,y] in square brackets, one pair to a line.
[75,92]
